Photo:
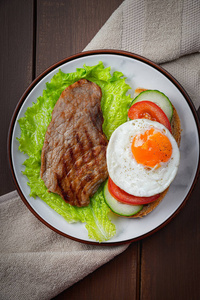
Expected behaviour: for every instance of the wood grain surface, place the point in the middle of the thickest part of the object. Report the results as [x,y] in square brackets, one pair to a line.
[34,35]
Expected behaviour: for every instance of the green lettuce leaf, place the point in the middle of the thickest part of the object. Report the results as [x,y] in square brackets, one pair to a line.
[114,103]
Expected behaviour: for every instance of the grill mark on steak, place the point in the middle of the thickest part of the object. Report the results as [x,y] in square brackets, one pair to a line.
[73,159]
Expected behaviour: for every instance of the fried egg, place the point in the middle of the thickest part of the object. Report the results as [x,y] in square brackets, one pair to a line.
[142,157]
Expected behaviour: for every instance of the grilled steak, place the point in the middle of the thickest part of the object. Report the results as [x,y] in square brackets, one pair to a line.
[73,160]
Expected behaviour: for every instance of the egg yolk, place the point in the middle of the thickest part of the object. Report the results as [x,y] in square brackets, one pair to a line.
[151,148]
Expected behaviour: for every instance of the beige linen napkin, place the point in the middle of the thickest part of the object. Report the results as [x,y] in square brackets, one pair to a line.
[37,263]
[166,32]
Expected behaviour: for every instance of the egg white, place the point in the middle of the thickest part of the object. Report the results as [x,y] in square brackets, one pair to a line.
[130,176]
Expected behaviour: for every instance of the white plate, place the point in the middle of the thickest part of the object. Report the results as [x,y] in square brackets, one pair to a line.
[140,72]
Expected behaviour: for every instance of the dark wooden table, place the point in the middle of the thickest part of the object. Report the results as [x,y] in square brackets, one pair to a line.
[34,34]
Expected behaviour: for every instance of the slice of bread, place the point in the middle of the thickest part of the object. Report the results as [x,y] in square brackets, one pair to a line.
[176,131]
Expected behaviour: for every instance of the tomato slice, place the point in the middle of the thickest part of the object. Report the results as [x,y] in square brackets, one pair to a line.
[126,198]
[149,110]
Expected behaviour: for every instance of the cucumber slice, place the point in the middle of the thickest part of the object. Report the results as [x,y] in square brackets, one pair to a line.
[118,207]
[158,98]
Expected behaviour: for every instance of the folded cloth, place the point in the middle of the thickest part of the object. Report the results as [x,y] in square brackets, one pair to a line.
[166,32]
[36,262]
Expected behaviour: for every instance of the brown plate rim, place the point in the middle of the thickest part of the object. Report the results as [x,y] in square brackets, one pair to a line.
[73,57]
